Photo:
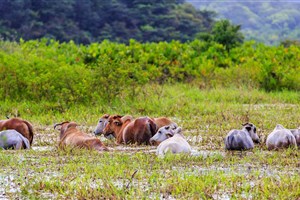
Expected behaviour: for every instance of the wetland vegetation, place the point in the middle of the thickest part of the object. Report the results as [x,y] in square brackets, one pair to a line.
[135,172]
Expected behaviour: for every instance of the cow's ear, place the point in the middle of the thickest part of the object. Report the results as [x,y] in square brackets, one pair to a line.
[178,130]
[72,124]
[106,116]
[170,133]
[57,126]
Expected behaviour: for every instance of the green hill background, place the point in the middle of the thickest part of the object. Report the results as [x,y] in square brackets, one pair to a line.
[266,21]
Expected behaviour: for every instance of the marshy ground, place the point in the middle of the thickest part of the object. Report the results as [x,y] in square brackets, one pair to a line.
[135,172]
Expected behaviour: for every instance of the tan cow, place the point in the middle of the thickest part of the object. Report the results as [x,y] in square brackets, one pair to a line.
[20,125]
[70,135]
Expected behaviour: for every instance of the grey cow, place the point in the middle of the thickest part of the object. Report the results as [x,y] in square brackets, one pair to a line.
[12,139]
[280,137]
[242,139]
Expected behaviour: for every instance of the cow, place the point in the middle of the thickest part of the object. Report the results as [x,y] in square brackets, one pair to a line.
[280,137]
[128,130]
[176,143]
[103,122]
[70,135]
[12,139]
[242,139]
[159,121]
[163,133]
[296,133]
[20,125]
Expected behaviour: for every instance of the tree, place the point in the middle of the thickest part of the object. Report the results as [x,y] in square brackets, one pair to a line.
[96,20]
[225,33]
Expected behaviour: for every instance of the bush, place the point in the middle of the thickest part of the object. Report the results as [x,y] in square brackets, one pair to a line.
[67,73]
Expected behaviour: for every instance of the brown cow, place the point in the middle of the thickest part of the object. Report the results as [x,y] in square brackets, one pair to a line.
[162,121]
[130,130]
[70,135]
[20,125]
[159,121]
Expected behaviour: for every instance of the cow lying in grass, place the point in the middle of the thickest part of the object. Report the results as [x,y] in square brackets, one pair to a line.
[70,135]
[12,139]
[280,137]
[242,139]
[129,130]
[175,142]
[20,125]
[159,121]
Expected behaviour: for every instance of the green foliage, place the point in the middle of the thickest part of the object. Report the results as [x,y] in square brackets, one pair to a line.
[96,20]
[225,33]
[67,73]
[288,43]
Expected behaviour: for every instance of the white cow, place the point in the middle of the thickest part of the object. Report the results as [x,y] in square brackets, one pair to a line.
[280,137]
[175,144]
[242,139]
[12,139]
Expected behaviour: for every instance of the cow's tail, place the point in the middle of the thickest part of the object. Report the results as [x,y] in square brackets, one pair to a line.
[152,127]
[26,142]
[30,128]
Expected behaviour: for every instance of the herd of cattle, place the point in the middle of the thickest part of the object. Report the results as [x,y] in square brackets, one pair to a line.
[17,133]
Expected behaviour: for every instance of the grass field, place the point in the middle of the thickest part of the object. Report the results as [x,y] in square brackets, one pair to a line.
[135,172]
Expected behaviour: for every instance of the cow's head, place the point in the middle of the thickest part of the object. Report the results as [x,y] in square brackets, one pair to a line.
[163,133]
[113,126]
[251,129]
[64,126]
[101,124]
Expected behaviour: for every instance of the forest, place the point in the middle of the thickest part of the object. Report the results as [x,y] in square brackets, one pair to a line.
[96,20]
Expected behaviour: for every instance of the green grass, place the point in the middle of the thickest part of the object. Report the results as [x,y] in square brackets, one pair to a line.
[211,173]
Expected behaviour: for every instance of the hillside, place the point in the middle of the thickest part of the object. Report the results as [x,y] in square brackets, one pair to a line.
[264,21]
[96,20]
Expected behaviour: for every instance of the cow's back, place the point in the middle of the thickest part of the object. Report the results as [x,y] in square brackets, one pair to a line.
[139,131]
[280,139]
[21,126]
[238,140]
